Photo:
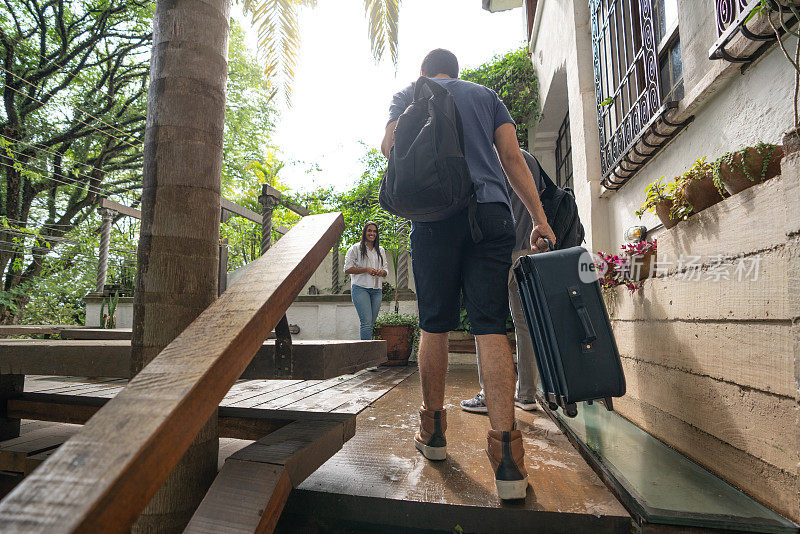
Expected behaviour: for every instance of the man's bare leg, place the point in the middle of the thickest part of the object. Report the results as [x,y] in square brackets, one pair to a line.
[432,361]
[499,379]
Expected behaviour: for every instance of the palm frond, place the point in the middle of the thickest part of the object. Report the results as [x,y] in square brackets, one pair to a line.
[278,37]
[383,17]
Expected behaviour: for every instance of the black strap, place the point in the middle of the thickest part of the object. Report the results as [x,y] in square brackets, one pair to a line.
[472,216]
[575,297]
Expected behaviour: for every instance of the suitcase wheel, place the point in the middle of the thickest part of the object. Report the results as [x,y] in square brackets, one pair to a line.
[552,405]
[589,402]
[571,410]
[609,404]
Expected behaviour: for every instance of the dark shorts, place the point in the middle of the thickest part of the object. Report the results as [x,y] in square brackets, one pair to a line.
[446,262]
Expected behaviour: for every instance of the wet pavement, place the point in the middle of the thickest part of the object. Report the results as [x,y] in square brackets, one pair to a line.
[381,466]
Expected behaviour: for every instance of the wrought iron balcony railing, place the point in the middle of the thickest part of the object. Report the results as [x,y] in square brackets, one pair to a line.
[735,17]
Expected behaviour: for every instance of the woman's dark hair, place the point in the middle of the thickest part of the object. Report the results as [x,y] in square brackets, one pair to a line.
[440,61]
[375,244]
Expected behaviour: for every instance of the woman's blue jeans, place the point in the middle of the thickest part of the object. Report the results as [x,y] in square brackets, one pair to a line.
[368,304]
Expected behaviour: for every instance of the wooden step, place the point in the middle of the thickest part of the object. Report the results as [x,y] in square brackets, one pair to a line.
[250,491]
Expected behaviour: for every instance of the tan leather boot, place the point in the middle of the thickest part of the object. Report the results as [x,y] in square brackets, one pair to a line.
[507,456]
[430,439]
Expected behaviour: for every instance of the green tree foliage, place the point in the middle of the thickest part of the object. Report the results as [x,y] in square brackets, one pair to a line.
[66,249]
[74,86]
[512,77]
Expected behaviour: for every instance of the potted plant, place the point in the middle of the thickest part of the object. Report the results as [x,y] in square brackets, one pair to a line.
[641,259]
[109,320]
[660,198]
[736,171]
[400,332]
[697,187]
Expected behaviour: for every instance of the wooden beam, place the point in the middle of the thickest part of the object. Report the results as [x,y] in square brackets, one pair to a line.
[249,493]
[245,497]
[102,478]
[239,423]
[241,211]
[121,208]
[31,329]
[225,204]
[109,358]
[267,189]
[96,333]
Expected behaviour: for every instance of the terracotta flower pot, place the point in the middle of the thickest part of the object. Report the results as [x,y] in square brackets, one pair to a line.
[702,193]
[641,265]
[662,210]
[399,340]
[734,176]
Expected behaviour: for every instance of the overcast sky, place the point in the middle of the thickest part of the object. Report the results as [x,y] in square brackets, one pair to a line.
[341,96]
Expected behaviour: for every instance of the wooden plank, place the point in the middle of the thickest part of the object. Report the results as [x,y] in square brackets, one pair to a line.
[763,481]
[104,476]
[14,452]
[241,211]
[246,389]
[319,359]
[758,423]
[96,333]
[679,297]
[65,357]
[239,423]
[300,447]
[753,354]
[316,391]
[361,391]
[245,497]
[110,358]
[121,208]
[372,392]
[30,329]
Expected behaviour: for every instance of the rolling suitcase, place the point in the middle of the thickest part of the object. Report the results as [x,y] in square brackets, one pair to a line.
[575,348]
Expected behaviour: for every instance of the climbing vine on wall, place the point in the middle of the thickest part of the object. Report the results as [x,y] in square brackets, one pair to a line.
[513,78]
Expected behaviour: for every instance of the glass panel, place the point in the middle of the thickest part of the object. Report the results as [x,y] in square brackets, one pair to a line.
[666,486]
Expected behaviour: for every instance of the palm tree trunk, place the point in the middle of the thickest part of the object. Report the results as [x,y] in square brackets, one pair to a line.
[178,245]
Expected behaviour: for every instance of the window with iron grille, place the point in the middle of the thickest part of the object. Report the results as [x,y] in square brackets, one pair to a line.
[638,79]
[564,155]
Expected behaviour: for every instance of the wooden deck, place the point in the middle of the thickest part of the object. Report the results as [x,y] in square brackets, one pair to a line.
[347,394]
[379,482]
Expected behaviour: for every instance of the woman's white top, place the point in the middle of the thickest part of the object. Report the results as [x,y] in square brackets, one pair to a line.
[353,258]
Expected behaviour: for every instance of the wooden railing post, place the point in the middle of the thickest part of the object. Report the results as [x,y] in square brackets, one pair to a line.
[105,242]
[269,198]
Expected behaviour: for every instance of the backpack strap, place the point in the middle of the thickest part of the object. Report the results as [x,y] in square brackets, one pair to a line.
[425,88]
[472,218]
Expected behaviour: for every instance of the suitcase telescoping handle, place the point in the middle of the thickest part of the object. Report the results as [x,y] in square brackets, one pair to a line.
[576,298]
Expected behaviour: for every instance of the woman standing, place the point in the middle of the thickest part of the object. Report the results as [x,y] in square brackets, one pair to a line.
[365,262]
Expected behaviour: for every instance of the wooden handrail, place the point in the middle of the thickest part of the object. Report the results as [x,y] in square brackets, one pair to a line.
[102,478]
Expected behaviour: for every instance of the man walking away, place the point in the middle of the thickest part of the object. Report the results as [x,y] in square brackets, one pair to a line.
[527,373]
[446,261]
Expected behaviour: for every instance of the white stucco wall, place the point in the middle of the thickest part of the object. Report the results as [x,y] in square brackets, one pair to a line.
[755,106]
[326,319]
[123,313]
[732,109]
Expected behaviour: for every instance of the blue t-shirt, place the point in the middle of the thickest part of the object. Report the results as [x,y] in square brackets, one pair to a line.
[482,112]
